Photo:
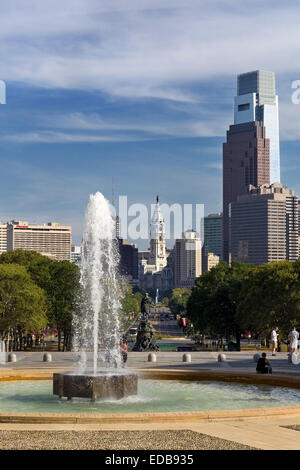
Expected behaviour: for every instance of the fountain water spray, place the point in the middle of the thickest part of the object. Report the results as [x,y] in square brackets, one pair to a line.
[96,325]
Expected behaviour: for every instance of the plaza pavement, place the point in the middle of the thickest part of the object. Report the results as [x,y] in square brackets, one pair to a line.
[202,360]
[265,432]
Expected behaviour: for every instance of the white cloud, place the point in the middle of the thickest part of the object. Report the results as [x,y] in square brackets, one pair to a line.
[145,48]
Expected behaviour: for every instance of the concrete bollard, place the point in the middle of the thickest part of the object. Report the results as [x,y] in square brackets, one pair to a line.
[151,357]
[47,357]
[256,357]
[295,358]
[186,358]
[221,358]
[12,357]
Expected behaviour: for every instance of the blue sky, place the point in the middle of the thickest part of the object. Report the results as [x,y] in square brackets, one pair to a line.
[140,91]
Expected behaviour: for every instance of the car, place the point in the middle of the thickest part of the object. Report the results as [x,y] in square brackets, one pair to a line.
[132,331]
[186,348]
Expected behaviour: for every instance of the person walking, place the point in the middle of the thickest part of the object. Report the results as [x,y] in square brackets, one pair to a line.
[274,340]
[293,337]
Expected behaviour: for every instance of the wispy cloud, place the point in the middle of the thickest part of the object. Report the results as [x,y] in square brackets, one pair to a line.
[145,48]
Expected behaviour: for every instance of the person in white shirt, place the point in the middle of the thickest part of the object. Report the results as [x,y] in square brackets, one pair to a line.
[274,340]
[293,337]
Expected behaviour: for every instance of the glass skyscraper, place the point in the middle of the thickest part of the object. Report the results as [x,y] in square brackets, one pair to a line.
[256,100]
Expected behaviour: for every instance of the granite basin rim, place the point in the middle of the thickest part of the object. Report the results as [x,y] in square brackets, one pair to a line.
[110,384]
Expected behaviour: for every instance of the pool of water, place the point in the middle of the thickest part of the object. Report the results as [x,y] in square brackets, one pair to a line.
[153,396]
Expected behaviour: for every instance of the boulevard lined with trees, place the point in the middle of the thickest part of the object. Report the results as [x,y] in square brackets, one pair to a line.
[38,294]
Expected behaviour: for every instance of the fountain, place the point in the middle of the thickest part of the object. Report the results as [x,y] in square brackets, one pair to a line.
[96,324]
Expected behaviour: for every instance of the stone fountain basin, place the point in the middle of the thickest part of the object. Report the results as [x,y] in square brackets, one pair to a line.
[105,383]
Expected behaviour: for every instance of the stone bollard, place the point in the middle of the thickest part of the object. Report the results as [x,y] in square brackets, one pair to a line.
[186,358]
[295,358]
[12,357]
[221,358]
[256,357]
[47,357]
[151,357]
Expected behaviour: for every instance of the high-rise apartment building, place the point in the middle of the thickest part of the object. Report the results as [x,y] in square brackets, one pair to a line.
[52,240]
[188,259]
[256,100]
[3,238]
[213,234]
[265,225]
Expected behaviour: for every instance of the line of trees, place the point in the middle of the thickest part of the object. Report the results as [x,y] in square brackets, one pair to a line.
[230,299]
[38,293]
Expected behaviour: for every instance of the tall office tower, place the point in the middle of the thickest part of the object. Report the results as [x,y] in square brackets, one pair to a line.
[128,260]
[256,100]
[265,225]
[251,153]
[246,160]
[157,256]
[52,240]
[3,238]
[188,259]
[213,234]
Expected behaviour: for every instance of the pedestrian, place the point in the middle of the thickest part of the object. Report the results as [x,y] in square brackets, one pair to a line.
[293,337]
[124,351]
[263,365]
[274,340]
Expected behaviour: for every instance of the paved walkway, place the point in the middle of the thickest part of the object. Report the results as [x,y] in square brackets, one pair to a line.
[201,360]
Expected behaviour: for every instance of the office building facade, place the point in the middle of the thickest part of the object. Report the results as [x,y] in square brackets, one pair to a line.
[52,240]
[246,161]
[213,234]
[256,100]
[188,259]
[265,225]
[3,238]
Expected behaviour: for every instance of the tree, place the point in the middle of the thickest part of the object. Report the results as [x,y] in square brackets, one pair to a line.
[59,280]
[271,296]
[22,304]
[37,265]
[130,304]
[212,307]
[62,290]
[178,301]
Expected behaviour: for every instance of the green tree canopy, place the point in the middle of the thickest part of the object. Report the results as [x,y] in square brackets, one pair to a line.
[179,299]
[22,302]
[61,282]
[270,296]
[212,306]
